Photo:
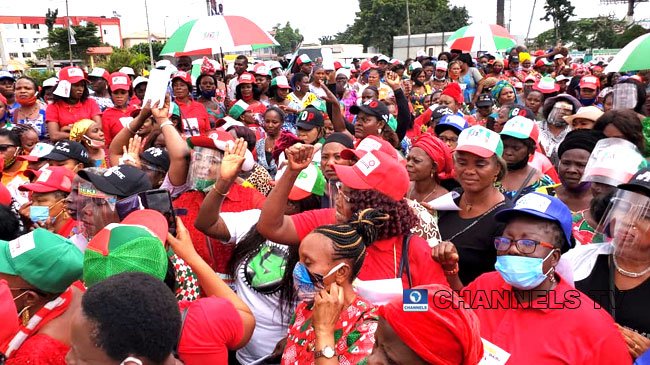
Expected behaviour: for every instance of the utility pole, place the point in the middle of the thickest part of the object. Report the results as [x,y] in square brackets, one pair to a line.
[408,30]
[501,4]
[146,11]
[67,14]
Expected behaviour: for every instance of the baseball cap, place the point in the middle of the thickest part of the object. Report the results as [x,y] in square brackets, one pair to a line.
[127,247]
[39,150]
[589,82]
[226,122]
[51,82]
[558,56]
[546,85]
[640,182]
[370,143]
[442,65]
[281,82]
[310,181]
[541,206]
[219,139]
[561,78]
[120,81]
[586,112]
[66,150]
[451,121]
[383,58]
[162,64]
[45,260]
[372,107]
[6,75]
[183,76]
[100,72]
[138,80]
[52,178]
[121,181]
[415,65]
[310,118]
[303,58]
[378,171]
[440,111]
[246,78]
[521,128]
[71,74]
[127,71]
[484,100]
[480,141]
[157,157]
[238,109]
[262,70]
[273,65]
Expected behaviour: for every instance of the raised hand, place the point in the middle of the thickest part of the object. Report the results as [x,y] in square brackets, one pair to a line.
[161,112]
[393,80]
[233,159]
[299,156]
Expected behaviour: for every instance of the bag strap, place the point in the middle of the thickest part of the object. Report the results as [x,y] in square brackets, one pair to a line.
[404,260]
[180,333]
[524,184]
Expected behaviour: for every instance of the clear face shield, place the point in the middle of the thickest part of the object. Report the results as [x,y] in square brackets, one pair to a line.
[94,209]
[613,162]
[624,96]
[560,109]
[204,168]
[626,224]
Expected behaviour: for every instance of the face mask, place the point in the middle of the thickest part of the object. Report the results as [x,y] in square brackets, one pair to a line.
[203,184]
[94,143]
[587,102]
[29,101]
[208,94]
[522,272]
[39,213]
[624,97]
[306,284]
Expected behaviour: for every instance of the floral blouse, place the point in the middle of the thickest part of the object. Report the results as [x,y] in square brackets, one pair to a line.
[583,232]
[354,335]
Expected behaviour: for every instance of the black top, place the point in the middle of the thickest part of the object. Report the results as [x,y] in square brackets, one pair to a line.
[475,245]
[631,306]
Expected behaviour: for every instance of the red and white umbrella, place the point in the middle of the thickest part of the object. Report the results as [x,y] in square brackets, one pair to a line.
[481,37]
[214,34]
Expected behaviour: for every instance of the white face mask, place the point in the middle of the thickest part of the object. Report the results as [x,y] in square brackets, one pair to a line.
[379,292]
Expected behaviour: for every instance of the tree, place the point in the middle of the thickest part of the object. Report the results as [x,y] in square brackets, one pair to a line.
[50,18]
[85,36]
[327,39]
[378,21]
[559,11]
[288,38]
[126,57]
[143,48]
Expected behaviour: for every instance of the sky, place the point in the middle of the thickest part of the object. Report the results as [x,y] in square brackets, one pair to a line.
[167,15]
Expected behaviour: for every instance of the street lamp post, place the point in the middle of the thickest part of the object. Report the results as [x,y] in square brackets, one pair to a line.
[146,10]
[408,30]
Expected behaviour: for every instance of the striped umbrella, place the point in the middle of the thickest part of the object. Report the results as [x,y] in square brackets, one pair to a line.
[633,57]
[213,34]
[481,37]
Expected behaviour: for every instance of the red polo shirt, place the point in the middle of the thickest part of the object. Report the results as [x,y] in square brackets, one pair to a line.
[67,114]
[383,256]
[113,120]
[563,328]
[196,119]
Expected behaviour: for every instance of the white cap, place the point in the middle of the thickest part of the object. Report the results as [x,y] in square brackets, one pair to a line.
[138,80]
[383,58]
[415,65]
[442,65]
[558,56]
[51,82]
[163,64]
[420,53]
[127,70]
[273,64]
[6,75]
[562,78]
[97,72]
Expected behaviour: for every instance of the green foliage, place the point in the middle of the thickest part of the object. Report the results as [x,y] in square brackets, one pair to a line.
[50,18]
[378,21]
[327,39]
[125,57]
[40,75]
[143,48]
[593,33]
[559,11]
[58,39]
[288,38]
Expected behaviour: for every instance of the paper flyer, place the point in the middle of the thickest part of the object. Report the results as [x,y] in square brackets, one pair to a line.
[445,202]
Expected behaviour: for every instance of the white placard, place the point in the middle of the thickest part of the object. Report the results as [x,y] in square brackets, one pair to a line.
[157,87]
[328,58]
[445,202]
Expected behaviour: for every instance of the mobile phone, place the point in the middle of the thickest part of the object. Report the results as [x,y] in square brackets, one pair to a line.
[125,206]
[160,200]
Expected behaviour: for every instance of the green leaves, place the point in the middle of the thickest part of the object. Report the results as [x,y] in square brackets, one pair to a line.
[58,39]
[288,38]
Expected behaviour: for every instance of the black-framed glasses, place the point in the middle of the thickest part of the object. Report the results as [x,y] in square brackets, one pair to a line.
[525,246]
[5,147]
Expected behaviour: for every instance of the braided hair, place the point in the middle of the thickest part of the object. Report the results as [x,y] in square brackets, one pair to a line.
[351,239]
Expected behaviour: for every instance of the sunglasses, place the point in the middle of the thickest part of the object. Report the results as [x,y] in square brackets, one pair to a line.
[5,147]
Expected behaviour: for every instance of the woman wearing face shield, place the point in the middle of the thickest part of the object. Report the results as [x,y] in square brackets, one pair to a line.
[618,271]
[330,259]
[554,128]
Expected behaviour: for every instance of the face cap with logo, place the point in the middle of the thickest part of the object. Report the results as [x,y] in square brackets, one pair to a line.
[219,139]
[310,118]
[480,141]
[452,122]
[157,157]
[39,150]
[376,171]
[120,81]
[53,178]
[484,100]
[370,143]
[310,181]
[134,245]
[99,72]
[374,108]
[440,111]
[121,181]
[521,128]
[238,109]
[66,150]
[45,260]
[639,183]
[246,78]
[589,82]
[545,207]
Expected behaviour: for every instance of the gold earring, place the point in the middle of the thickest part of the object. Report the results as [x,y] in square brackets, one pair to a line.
[24,315]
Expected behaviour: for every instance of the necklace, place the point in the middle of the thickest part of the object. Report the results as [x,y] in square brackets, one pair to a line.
[630,274]
[426,196]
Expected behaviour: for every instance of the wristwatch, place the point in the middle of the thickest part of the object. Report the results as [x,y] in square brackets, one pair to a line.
[327,352]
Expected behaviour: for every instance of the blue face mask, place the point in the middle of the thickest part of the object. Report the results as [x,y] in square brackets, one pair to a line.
[306,284]
[39,213]
[522,272]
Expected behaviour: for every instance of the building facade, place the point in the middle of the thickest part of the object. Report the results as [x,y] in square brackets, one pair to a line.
[22,36]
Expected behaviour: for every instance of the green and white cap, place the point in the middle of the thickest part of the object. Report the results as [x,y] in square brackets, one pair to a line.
[480,141]
[309,181]
[238,109]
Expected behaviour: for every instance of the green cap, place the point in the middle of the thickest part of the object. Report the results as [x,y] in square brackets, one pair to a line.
[238,109]
[122,248]
[45,260]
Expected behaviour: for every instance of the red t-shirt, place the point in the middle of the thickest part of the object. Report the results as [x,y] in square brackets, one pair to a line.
[40,349]
[382,256]
[196,119]
[212,327]
[529,333]
[67,114]
[113,120]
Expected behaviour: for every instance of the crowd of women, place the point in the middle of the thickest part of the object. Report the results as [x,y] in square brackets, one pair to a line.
[450,210]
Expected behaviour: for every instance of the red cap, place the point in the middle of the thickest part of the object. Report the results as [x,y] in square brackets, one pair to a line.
[246,78]
[453,90]
[120,81]
[152,219]
[32,174]
[183,76]
[71,74]
[337,65]
[376,171]
[51,179]
[539,63]
[5,196]
[370,143]
[589,82]
[367,65]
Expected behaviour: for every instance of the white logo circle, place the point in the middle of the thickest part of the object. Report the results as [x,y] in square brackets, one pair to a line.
[415,296]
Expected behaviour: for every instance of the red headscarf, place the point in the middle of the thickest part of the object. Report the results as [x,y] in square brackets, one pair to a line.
[453,90]
[207,68]
[439,153]
[455,330]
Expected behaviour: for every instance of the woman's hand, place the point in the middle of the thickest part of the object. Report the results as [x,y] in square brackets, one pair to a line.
[299,156]
[636,343]
[327,309]
[131,154]
[233,159]
[446,255]
[393,80]
[161,112]
[329,96]
[182,243]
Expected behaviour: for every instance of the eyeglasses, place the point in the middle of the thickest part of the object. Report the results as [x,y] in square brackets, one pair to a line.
[524,246]
[448,139]
[5,147]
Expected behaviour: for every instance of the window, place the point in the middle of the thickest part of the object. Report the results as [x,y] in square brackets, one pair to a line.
[13,54]
[25,40]
[24,26]
[34,26]
[105,32]
[27,54]
[11,40]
